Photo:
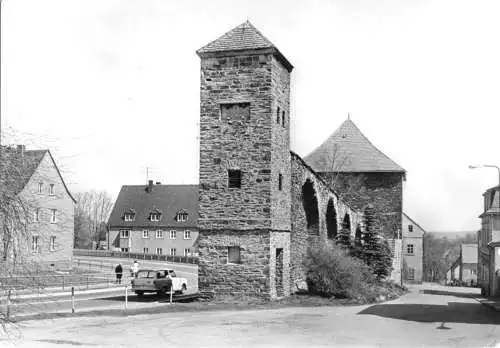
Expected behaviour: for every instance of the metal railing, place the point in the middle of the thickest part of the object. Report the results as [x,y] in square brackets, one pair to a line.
[136,256]
[63,282]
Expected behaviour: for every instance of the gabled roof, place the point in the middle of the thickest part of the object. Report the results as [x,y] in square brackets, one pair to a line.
[469,253]
[19,166]
[348,150]
[413,221]
[245,37]
[169,199]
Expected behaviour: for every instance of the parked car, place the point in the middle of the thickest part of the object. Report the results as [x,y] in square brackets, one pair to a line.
[158,281]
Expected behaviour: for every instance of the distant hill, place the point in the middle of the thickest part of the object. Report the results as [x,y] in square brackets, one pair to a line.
[452,234]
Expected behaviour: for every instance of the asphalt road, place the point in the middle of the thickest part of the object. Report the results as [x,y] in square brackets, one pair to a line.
[107,299]
[430,317]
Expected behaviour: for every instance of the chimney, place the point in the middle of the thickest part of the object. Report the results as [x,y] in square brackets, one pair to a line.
[150,186]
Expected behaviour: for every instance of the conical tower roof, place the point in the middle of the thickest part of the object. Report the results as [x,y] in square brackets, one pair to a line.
[348,150]
[245,37]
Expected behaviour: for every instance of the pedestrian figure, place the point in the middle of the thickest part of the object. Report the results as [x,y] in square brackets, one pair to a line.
[134,269]
[119,273]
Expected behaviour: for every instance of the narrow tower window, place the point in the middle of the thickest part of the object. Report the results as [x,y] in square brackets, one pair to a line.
[283,119]
[278,115]
[280,181]
[234,178]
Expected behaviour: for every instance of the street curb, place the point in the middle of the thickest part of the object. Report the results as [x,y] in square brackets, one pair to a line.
[493,305]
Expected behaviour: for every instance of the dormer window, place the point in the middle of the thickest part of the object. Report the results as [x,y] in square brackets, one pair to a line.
[181,217]
[129,215]
[154,217]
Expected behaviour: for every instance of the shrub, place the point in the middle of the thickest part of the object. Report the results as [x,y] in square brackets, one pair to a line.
[331,272]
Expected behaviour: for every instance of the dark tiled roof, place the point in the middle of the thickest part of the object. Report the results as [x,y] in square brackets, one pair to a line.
[348,150]
[17,167]
[245,37]
[168,199]
[469,253]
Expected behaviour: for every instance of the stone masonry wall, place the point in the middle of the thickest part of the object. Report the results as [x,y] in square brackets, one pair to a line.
[236,144]
[249,277]
[383,190]
[301,240]
[280,154]
[279,240]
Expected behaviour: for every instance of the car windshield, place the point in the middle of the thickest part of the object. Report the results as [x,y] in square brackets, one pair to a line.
[145,274]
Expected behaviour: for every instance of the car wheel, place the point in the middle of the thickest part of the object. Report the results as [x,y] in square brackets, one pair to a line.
[139,293]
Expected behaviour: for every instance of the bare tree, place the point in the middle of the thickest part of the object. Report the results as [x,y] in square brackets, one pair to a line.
[91,213]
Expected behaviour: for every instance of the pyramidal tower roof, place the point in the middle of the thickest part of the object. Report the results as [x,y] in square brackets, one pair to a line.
[245,37]
[348,150]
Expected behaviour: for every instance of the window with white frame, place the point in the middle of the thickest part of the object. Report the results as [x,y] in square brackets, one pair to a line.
[51,189]
[410,228]
[52,246]
[129,217]
[187,234]
[411,273]
[187,252]
[154,217]
[145,250]
[35,244]
[173,251]
[36,215]
[124,234]
[145,234]
[173,234]
[233,254]
[181,217]
[53,216]
[159,251]
[159,234]
[124,250]
[40,187]
[410,249]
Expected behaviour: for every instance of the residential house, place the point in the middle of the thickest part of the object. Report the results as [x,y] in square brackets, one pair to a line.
[465,267]
[44,227]
[155,219]
[489,244]
[413,250]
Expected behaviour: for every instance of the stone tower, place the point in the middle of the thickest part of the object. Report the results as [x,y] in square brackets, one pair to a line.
[244,191]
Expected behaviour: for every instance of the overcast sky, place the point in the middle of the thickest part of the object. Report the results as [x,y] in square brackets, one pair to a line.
[112,87]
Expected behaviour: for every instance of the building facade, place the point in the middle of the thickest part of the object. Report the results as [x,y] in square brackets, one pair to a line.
[46,207]
[465,267]
[488,254]
[155,219]
[413,251]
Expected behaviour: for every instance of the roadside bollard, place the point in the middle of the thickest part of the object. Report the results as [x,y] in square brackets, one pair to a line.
[72,299]
[171,292]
